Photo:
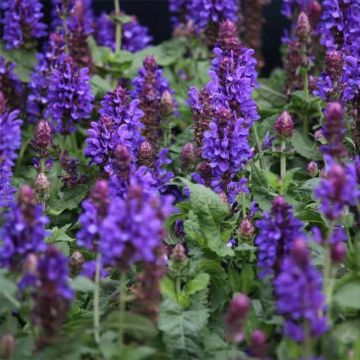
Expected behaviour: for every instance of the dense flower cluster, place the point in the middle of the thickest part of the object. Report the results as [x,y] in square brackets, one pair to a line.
[152,89]
[10,136]
[69,96]
[134,37]
[337,189]
[204,13]
[23,231]
[225,111]
[120,123]
[22,22]
[299,296]
[277,232]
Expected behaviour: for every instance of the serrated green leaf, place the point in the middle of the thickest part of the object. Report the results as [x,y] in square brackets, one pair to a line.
[83,284]
[59,234]
[183,330]
[199,283]
[305,147]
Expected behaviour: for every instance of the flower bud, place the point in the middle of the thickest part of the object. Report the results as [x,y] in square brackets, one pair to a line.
[178,253]
[299,251]
[258,344]
[313,168]
[187,156]
[42,185]
[2,102]
[224,198]
[122,161]
[76,261]
[146,154]
[319,136]
[303,27]
[236,317]
[42,134]
[166,103]
[7,346]
[100,196]
[284,125]
[314,11]
[246,228]
[338,252]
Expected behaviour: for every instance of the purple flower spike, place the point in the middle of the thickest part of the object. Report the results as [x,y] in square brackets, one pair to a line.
[22,22]
[299,296]
[69,98]
[23,231]
[10,135]
[277,232]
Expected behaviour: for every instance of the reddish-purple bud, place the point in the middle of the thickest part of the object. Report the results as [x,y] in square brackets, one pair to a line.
[303,27]
[188,156]
[319,136]
[278,201]
[299,251]
[338,252]
[258,344]
[42,134]
[7,346]
[122,162]
[246,228]
[178,254]
[166,103]
[284,125]
[146,154]
[2,102]
[314,11]
[27,198]
[205,171]
[236,317]
[100,196]
[313,168]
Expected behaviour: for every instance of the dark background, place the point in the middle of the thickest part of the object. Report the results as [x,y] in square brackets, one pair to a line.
[155,15]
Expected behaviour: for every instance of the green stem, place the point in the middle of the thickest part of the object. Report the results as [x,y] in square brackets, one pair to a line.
[122,302]
[118,27]
[258,145]
[97,300]
[307,341]
[282,160]
[306,92]
[178,287]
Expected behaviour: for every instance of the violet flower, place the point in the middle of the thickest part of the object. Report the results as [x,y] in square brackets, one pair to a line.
[277,232]
[22,22]
[299,294]
[69,97]
[23,231]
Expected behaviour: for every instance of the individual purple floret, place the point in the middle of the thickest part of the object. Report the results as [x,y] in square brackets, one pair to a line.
[152,89]
[70,99]
[119,124]
[23,231]
[290,6]
[298,289]
[10,135]
[134,227]
[22,22]
[337,189]
[135,37]
[277,232]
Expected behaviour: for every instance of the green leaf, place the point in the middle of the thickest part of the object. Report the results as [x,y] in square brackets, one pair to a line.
[199,283]
[348,331]
[24,60]
[59,234]
[168,287]
[82,283]
[210,212]
[183,330]
[216,348]
[8,290]
[348,296]
[305,147]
